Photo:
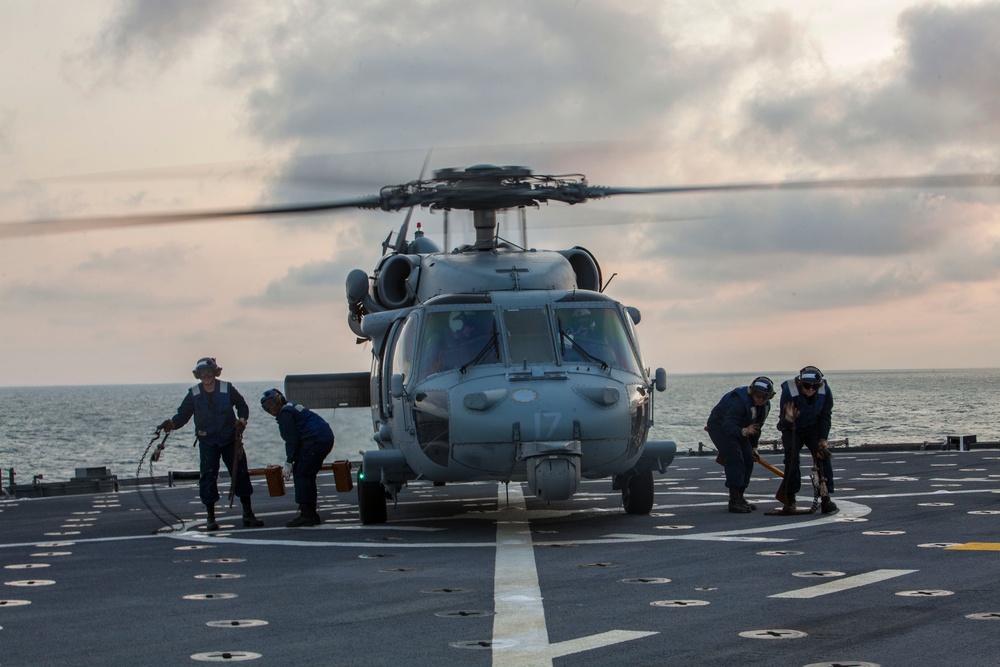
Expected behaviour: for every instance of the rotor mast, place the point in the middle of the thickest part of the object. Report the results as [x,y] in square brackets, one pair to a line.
[485,223]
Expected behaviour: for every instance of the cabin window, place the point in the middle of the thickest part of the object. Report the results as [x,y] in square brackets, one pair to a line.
[528,336]
[595,336]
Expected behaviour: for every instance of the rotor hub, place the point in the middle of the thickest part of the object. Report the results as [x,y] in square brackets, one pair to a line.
[486,187]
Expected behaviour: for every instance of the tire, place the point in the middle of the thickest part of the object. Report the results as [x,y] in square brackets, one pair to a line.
[637,493]
[371,501]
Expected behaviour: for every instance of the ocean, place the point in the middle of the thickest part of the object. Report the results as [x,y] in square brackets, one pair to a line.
[51,431]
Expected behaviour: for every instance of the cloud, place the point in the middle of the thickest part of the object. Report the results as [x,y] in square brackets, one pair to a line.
[446,73]
[144,38]
[313,283]
[932,104]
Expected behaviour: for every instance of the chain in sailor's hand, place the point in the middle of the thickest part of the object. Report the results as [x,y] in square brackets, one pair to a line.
[168,526]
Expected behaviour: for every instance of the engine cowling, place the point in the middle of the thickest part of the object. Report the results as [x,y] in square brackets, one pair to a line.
[586,268]
[394,287]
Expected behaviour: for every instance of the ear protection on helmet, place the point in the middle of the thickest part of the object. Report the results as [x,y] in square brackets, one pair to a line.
[762,386]
[272,398]
[810,374]
[209,363]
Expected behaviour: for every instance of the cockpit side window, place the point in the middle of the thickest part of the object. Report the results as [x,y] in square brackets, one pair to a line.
[528,337]
[402,352]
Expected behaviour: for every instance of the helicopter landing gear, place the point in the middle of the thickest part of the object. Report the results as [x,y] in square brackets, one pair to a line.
[637,492]
[371,500]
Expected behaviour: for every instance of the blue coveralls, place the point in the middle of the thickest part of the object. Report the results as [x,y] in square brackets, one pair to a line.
[308,440]
[811,426]
[729,417]
[215,425]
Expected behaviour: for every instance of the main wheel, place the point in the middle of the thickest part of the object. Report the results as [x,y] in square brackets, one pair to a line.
[371,500]
[637,494]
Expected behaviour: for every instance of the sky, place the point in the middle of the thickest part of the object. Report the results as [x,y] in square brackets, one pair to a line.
[129,107]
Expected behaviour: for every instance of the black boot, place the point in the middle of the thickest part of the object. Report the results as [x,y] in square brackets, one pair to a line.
[736,504]
[745,501]
[303,518]
[827,506]
[249,520]
[789,506]
[210,522]
[314,514]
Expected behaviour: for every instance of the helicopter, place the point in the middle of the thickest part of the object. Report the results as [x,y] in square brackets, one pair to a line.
[493,361]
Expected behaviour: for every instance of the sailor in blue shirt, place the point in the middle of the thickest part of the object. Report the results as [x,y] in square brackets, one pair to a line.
[220,413]
[806,407]
[734,427]
[308,440]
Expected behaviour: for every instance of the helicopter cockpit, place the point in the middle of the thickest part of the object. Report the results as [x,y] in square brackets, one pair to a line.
[459,337]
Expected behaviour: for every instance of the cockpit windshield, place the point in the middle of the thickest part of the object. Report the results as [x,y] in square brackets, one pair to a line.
[595,335]
[457,339]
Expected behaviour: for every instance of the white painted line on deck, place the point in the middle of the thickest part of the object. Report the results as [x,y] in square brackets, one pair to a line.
[520,636]
[843,584]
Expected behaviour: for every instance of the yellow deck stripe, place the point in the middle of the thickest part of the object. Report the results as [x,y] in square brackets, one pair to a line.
[976,546]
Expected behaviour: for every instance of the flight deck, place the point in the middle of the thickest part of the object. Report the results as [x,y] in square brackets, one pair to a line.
[486,574]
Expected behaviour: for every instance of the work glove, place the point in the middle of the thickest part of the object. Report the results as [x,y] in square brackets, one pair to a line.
[287,472]
[751,430]
[822,449]
[241,425]
[167,426]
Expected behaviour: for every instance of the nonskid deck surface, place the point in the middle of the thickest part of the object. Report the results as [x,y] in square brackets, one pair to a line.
[480,574]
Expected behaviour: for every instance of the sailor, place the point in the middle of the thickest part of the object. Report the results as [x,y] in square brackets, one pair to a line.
[734,427]
[220,414]
[806,405]
[308,440]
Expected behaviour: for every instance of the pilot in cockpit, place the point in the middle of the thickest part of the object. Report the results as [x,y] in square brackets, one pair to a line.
[583,339]
[468,332]
[580,326]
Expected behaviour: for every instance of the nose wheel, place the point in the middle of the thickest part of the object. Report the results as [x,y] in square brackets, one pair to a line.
[637,493]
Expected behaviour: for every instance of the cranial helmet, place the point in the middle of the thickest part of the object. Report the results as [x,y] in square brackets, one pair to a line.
[206,363]
[762,386]
[811,375]
[457,322]
[272,398]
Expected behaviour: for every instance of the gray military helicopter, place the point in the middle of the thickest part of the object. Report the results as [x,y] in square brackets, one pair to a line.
[493,361]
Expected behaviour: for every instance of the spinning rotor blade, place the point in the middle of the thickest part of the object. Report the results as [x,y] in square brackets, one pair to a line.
[488,187]
[931,181]
[66,225]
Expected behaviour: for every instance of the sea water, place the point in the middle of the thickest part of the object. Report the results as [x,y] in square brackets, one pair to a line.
[51,431]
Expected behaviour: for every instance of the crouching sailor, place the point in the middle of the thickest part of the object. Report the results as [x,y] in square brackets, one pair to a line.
[806,407]
[734,427]
[220,414]
[308,440]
